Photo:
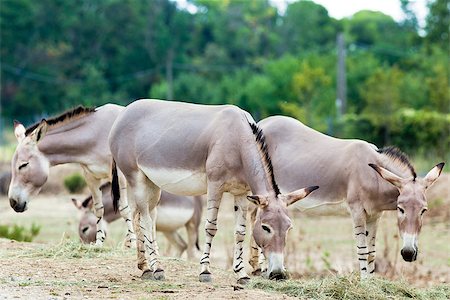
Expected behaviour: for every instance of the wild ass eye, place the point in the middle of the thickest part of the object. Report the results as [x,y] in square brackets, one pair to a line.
[23,165]
[423,211]
[266,228]
[400,209]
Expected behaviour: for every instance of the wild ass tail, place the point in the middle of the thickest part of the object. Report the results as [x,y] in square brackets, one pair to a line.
[115,188]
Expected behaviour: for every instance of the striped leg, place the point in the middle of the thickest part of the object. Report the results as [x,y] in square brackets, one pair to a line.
[254,249]
[359,229]
[371,228]
[240,214]
[213,205]
[153,215]
[125,213]
[140,248]
[94,186]
[145,195]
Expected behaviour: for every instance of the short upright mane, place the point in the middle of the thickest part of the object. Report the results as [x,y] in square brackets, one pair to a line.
[76,112]
[261,142]
[398,157]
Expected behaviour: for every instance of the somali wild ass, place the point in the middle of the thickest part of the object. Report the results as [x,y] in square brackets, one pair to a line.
[344,170]
[192,149]
[174,212]
[76,136]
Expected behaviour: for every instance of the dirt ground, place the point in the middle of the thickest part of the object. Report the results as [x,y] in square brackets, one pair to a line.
[56,266]
[58,277]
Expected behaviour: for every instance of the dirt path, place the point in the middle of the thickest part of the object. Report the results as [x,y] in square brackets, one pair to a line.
[34,271]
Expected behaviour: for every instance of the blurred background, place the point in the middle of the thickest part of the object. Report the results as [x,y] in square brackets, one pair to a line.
[381,75]
[366,76]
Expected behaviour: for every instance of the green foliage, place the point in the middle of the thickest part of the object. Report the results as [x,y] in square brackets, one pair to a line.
[56,55]
[74,183]
[19,233]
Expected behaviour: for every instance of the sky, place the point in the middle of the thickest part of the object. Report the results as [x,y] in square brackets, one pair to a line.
[339,9]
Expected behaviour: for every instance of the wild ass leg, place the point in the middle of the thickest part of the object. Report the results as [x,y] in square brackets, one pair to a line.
[153,215]
[94,186]
[175,239]
[125,213]
[213,204]
[371,228]
[192,228]
[359,229]
[145,195]
[254,249]
[240,214]
[192,236]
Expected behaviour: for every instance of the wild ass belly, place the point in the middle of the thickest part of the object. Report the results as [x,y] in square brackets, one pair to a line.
[170,218]
[178,181]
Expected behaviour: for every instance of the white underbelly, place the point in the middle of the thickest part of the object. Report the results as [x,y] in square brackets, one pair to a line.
[172,218]
[178,181]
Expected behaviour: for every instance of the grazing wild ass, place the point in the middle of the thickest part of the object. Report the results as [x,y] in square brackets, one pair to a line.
[191,149]
[174,212]
[76,136]
[344,170]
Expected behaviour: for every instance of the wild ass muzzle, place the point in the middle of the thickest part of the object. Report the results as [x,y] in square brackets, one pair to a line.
[174,212]
[190,149]
[302,156]
[78,136]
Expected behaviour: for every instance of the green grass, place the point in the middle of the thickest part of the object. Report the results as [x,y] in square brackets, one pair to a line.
[350,287]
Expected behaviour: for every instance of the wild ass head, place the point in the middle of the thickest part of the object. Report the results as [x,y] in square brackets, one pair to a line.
[87,228]
[29,167]
[272,226]
[272,221]
[411,202]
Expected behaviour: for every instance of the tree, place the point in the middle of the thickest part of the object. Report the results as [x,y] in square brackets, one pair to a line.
[382,92]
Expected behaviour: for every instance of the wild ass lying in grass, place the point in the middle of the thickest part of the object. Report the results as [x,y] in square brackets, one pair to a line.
[174,212]
[76,136]
[191,149]
[344,170]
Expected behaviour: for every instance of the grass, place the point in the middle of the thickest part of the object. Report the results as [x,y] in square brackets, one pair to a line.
[350,287]
[74,249]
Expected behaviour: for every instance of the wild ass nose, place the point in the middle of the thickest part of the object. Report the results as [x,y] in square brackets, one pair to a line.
[409,254]
[276,269]
[17,206]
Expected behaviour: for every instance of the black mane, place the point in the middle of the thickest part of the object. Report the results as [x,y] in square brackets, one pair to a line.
[77,111]
[261,141]
[397,155]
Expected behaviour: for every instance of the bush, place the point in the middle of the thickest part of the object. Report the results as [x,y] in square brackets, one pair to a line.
[74,183]
[19,233]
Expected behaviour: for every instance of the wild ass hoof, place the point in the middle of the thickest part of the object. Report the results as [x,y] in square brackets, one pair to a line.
[147,275]
[243,280]
[205,277]
[257,272]
[159,274]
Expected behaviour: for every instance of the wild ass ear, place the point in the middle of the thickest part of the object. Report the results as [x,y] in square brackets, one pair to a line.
[19,131]
[88,203]
[388,176]
[258,200]
[40,131]
[434,173]
[76,203]
[294,196]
